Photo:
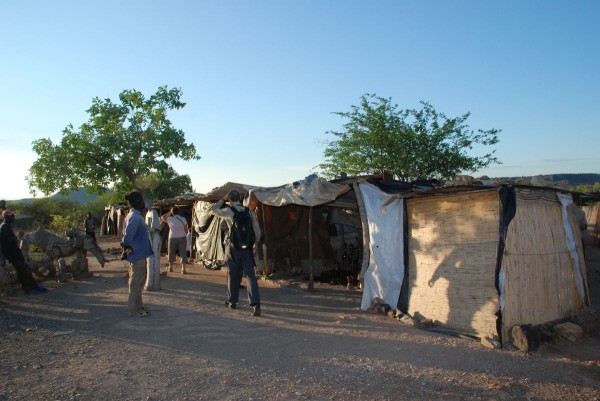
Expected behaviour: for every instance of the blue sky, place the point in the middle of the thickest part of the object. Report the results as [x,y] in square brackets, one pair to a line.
[261,79]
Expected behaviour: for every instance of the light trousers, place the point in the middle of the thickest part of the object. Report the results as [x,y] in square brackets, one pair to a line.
[137,278]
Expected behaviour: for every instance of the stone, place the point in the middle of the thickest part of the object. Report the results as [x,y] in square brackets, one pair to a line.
[524,338]
[425,323]
[586,318]
[569,329]
[404,318]
[491,342]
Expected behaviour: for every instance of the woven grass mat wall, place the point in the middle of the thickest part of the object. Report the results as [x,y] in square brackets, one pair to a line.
[592,215]
[452,244]
[539,280]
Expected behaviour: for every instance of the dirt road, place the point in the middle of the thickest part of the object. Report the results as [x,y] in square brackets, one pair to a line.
[76,342]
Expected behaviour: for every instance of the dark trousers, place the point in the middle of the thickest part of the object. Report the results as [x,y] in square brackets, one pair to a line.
[241,262]
[24,275]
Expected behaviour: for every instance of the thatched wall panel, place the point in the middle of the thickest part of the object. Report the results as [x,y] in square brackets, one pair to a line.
[452,242]
[592,216]
[539,280]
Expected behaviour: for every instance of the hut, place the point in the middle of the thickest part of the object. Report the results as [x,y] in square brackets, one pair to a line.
[478,259]
[307,225]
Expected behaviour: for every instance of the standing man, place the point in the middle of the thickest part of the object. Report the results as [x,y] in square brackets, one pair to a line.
[153,261]
[90,226]
[136,248]
[178,229]
[12,252]
[243,238]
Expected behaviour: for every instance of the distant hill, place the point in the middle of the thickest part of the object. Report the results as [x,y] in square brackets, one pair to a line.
[573,179]
[79,196]
[577,179]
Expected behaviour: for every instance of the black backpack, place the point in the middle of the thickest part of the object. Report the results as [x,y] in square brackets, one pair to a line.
[242,232]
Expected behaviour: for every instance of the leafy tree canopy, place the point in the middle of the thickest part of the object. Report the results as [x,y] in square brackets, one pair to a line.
[121,146]
[166,184]
[46,213]
[587,188]
[411,144]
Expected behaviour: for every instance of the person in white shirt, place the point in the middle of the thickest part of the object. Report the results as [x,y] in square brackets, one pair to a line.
[178,229]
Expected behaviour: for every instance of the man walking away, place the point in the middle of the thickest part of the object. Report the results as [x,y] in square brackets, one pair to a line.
[243,238]
[178,229]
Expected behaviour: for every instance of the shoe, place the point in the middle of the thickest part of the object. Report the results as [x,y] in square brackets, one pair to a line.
[256,311]
[183,272]
[170,269]
[230,305]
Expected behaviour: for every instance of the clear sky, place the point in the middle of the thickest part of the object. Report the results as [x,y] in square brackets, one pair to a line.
[261,79]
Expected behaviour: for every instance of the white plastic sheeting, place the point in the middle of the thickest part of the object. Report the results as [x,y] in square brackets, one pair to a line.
[312,191]
[384,276]
[567,200]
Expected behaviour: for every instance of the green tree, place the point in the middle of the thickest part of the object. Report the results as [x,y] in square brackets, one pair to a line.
[587,188]
[120,146]
[167,184]
[411,144]
[53,214]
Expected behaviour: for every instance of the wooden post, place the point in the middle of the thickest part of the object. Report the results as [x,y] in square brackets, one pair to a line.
[266,271]
[365,230]
[311,277]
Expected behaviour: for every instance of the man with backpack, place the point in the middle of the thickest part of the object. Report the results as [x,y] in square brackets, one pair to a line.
[244,235]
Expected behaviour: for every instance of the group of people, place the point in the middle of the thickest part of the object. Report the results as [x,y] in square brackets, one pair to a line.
[141,244]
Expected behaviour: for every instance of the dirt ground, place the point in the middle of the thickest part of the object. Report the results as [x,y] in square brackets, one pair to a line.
[76,342]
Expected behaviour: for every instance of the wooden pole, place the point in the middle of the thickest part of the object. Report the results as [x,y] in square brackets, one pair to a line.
[311,277]
[266,271]
[365,230]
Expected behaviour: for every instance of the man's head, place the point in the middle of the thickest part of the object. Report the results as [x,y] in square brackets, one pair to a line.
[233,196]
[135,200]
[8,216]
[175,210]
